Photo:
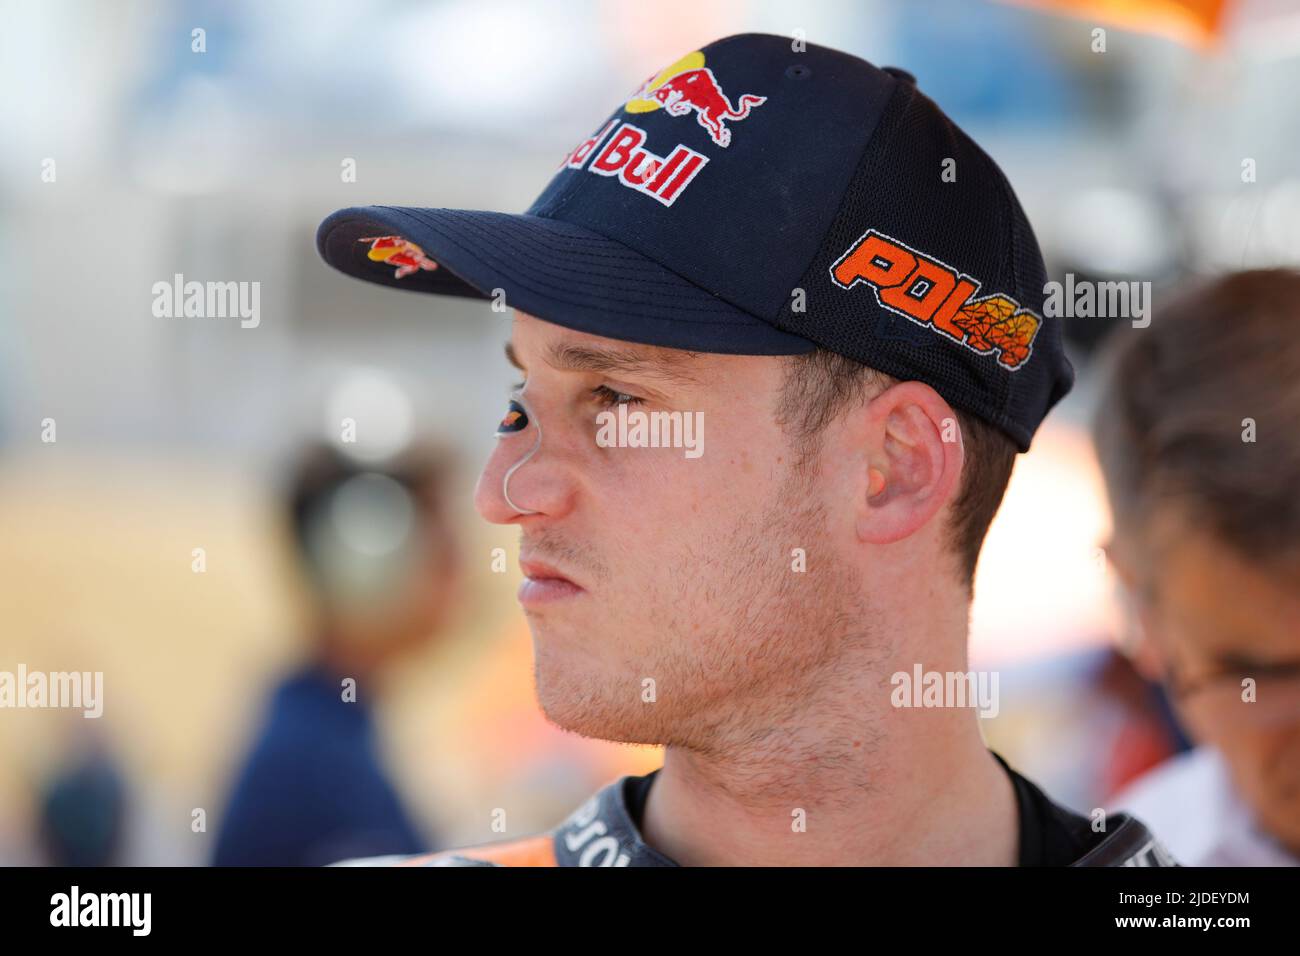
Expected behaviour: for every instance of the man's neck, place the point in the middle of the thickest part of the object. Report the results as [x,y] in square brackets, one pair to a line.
[926,792]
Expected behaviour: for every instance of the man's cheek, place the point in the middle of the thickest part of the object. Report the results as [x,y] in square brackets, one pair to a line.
[1252,759]
[1283,764]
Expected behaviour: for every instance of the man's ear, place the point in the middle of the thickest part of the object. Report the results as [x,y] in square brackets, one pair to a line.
[913,461]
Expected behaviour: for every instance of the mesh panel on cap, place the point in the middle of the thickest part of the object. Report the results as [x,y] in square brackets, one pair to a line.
[973,225]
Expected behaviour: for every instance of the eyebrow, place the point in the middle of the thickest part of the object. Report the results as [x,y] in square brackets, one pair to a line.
[671,365]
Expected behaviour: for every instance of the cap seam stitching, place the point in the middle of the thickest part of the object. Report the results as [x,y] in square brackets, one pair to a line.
[545,288]
[839,205]
[543,284]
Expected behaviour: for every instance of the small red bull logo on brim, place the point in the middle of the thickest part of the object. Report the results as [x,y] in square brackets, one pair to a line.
[396,251]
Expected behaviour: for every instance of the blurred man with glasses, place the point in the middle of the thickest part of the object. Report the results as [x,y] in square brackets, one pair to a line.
[1198,432]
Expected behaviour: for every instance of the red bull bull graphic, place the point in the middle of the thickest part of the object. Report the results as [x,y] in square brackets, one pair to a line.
[396,251]
[689,86]
[624,156]
[936,295]
[619,150]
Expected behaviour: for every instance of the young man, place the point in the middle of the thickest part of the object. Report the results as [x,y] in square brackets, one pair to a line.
[1199,437]
[838,297]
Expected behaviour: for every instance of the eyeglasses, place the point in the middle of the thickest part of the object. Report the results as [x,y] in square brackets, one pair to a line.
[1257,695]
[1254,693]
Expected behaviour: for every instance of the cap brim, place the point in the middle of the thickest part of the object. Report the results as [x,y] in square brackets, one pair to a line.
[553,270]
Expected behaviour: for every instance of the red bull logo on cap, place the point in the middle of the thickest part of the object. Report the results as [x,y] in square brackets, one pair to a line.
[621,152]
[688,85]
[624,156]
[396,251]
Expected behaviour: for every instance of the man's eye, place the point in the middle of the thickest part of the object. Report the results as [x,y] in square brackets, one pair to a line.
[1245,667]
[607,397]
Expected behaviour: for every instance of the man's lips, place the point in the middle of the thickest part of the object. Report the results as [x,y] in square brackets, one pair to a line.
[541,571]
[545,584]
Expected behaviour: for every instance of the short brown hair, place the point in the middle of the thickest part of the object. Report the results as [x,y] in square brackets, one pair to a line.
[821,384]
[1176,395]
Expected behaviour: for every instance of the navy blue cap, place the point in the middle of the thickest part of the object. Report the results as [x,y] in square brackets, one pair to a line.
[754,198]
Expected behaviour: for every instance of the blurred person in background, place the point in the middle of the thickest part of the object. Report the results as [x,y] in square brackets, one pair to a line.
[1198,434]
[84,811]
[379,553]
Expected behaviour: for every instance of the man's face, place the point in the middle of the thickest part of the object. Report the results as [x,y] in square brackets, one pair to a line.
[1225,634]
[688,610]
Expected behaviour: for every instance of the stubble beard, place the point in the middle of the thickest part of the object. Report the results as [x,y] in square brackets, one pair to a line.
[737,642]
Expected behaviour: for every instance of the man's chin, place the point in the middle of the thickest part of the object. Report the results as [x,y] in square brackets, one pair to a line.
[583,702]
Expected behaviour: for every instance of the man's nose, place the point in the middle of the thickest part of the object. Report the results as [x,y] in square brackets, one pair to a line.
[489,493]
[535,486]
